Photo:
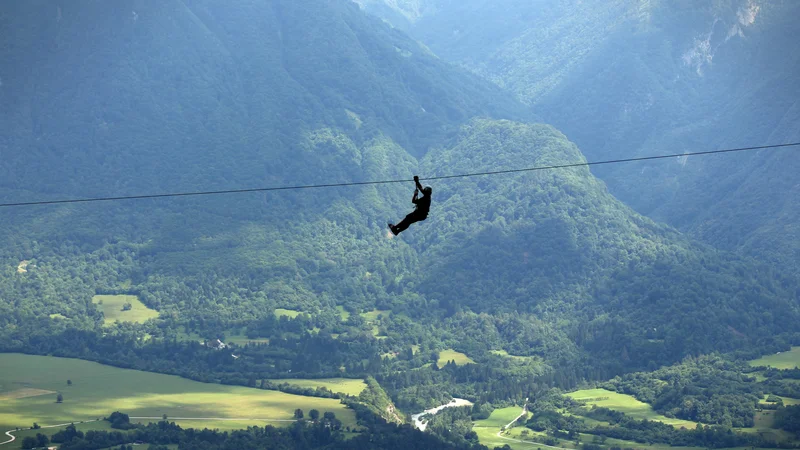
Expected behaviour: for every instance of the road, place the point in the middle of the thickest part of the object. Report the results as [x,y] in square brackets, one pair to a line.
[533,444]
[10,433]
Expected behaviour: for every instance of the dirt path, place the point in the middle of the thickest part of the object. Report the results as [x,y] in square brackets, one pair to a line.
[10,434]
[519,441]
[524,411]
[531,443]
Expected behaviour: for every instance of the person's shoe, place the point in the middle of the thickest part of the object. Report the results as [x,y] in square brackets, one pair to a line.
[393,228]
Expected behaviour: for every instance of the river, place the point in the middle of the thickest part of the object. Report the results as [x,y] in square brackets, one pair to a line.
[456,402]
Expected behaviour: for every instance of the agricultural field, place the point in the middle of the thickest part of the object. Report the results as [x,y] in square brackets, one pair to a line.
[29,385]
[111,305]
[450,354]
[347,386]
[488,437]
[780,360]
[628,405]
[500,417]
[788,401]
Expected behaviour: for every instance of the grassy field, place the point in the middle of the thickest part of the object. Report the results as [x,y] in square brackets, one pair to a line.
[507,355]
[280,312]
[341,385]
[240,339]
[500,417]
[112,308]
[488,437]
[517,434]
[788,401]
[628,405]
[29,384]
[450,354]
[342,313]
[372,316]
[780,360]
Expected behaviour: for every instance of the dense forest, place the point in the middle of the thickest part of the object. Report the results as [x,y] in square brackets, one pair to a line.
[545,280]
[627,78]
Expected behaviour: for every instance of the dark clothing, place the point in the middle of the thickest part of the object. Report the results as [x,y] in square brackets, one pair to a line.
[415,216]
[423,206]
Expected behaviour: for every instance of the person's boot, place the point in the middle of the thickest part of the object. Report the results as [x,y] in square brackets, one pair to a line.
[393,228]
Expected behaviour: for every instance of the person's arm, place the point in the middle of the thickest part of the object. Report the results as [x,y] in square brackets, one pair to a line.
[416,190]
[416,180]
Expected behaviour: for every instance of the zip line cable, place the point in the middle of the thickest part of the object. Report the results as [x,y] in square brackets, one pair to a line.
[366,183]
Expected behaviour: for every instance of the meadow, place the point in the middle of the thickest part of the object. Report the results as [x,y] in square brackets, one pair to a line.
[781,360]
[290,313]
[628,405]
[488,428]
[450,354]
[488,437]
[111,305]
[500,418]
[347,386]
[507,355]
[28,386]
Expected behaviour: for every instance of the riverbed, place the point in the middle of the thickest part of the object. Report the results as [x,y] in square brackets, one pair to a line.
[455,403]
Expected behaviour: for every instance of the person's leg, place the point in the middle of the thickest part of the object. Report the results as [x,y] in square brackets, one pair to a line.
[406,222]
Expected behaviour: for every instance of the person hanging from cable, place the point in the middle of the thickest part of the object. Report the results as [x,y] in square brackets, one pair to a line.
[421,208]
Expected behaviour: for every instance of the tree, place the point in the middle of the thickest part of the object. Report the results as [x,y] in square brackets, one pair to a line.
[69,382]
[127,307]
[164,417]
[59,398]
[29,442]
[42,440]
[298,413]
[329,415]
[313,414]
[35,426]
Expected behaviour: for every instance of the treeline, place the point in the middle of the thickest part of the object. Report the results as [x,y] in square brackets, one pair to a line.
[708,389]
[307,355]
[549,416]
[302,435]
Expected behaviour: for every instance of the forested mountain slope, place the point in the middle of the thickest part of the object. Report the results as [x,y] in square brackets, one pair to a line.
[136,97]
[641,78]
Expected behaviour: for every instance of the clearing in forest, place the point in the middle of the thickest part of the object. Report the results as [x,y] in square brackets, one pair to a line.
[781,360]
[343,313]
[452,355]
[372,316]
[628,405]
[98,390]
[515,357]
[290,313]
[347,386]
[113,305]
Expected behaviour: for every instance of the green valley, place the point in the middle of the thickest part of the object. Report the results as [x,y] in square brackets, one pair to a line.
[90,391]
[195,199]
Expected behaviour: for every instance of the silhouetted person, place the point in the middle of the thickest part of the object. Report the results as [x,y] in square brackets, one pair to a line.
[423,205]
